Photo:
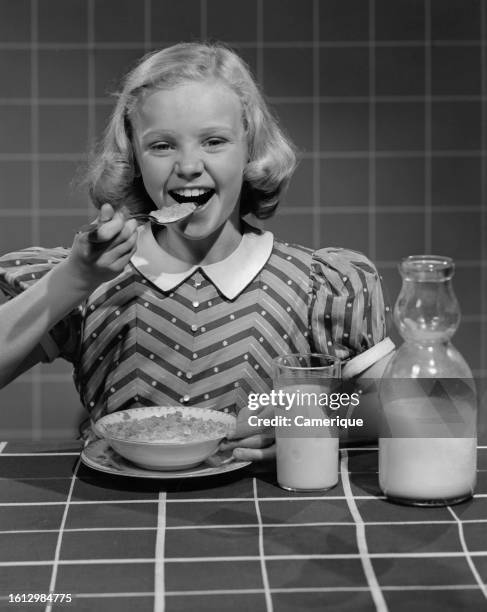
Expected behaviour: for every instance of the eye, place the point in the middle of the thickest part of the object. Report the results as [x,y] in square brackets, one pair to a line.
[160,147]
[215,141]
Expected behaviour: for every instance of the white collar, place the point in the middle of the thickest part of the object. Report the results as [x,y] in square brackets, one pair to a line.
[230,276]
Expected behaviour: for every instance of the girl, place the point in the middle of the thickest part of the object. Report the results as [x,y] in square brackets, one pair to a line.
[194,312]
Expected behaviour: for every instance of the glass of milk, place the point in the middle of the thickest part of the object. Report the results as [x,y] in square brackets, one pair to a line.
[306,446]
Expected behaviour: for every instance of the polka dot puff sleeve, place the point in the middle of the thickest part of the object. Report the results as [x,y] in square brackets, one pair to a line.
[20,270]
[347,312]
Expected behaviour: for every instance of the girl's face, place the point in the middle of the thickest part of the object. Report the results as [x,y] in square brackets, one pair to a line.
[191,145]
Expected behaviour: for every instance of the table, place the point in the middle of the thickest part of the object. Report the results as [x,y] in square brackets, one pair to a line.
[234,542]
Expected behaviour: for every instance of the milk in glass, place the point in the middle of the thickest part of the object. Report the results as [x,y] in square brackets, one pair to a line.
[306,457]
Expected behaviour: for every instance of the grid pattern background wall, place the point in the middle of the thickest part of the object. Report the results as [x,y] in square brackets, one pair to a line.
[386,100]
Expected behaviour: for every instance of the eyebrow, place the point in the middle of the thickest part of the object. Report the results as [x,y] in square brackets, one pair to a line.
[151,132]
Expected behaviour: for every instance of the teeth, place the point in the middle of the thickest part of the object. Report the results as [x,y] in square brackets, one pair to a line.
[191,193]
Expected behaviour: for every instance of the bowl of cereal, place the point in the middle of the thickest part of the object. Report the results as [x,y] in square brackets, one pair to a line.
[165,437]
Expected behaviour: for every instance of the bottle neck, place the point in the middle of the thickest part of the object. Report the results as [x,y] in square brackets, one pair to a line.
[426,311]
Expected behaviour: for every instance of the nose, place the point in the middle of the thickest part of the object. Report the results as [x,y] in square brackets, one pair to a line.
[189,164]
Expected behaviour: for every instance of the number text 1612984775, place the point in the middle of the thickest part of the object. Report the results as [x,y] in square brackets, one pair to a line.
[40,598]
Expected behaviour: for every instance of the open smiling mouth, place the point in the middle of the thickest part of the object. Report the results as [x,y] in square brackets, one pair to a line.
[197,196]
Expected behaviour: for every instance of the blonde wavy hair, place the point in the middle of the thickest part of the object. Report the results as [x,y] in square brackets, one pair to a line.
[113,176]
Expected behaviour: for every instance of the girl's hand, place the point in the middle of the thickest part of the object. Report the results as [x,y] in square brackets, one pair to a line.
[94,263]
[250,443]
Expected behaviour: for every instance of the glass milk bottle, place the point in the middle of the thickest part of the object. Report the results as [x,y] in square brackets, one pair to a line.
[428,441]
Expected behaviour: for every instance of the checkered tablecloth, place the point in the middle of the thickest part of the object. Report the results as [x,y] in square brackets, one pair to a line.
[231,543]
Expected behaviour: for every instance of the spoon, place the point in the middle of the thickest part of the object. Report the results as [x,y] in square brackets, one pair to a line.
[164,216]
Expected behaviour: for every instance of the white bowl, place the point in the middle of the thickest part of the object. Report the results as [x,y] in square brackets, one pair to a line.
[164,454]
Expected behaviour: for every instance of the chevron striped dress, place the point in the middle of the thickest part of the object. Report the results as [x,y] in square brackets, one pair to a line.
[135,344]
